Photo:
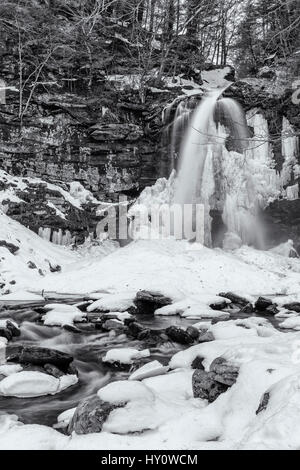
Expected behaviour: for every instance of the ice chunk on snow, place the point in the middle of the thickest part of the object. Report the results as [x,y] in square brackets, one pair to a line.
[125,355]
[27,384]
[124,391]
[148,370]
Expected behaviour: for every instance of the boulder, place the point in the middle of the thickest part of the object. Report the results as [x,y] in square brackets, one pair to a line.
[147,302]
[248,308]
[178,335]
[90,415]
[219,305]
[193,332]
[235,299]
[262,304]
[224,372]
[206,387]
[112,324]
[41,356]
[295,306]
[271,310]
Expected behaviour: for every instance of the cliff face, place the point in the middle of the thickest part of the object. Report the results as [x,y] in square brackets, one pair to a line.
[110,141]
[106,142]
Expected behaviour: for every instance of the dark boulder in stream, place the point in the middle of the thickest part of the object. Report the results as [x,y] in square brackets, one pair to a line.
[179,335]
[147,302]
[41,356]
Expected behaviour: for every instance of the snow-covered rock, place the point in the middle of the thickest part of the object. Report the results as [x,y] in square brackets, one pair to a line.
[26,384]
[125,355]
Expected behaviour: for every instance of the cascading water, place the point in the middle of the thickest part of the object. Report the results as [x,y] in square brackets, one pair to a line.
[216,168]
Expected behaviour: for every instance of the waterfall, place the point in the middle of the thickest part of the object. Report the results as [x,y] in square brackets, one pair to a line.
[175,126]
[194,150]
[226,169]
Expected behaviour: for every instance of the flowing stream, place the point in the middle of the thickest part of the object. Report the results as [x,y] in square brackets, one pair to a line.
[87,348]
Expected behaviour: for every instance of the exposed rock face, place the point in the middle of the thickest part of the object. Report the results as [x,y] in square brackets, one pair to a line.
[90,415]
[107,140]
[209,385]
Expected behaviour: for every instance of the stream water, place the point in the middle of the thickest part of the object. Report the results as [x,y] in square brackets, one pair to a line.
[87,348]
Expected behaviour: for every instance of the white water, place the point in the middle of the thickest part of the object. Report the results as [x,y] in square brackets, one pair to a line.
[236,182]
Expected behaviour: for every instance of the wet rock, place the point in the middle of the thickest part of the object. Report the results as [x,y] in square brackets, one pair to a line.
[147,302]
[262,304]
[219,305]
[112,324]
[264,403]
[247,308]
[206,387]
[41,356]
[71,328]
[198,363]
[10,246]
[224,372]
[134,328]
[271,310]
[90,415]
[52,370]
[235,299]
[193,332]
[178,335]
[6,333]
[295,306]
[13,328]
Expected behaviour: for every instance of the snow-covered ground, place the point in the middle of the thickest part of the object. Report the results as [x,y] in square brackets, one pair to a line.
[164,414]
[161,409]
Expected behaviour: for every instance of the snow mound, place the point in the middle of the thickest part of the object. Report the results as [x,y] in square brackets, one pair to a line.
[124,391]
